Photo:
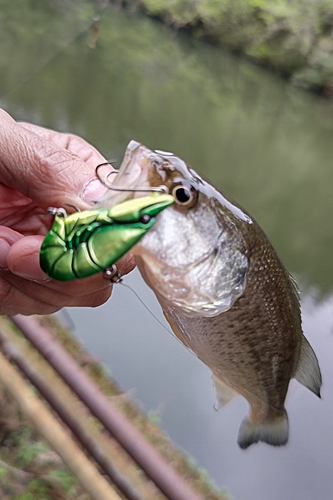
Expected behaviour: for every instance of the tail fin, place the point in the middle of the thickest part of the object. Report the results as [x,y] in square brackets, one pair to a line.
[275,432]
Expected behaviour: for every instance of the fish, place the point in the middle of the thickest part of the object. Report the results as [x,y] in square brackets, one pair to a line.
[223,290]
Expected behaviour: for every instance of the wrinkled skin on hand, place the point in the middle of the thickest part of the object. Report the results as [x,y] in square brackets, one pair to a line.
[41,168]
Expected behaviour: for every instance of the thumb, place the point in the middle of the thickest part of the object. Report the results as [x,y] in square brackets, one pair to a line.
[39,168]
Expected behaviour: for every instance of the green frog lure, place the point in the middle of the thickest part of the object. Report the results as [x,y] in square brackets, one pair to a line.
[85,243]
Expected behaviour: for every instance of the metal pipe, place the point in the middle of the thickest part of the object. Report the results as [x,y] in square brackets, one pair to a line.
[85,472]
[32,373]
[146,456]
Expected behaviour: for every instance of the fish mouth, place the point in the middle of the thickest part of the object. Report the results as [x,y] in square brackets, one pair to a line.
[199,272]
[134,178]
[134,164]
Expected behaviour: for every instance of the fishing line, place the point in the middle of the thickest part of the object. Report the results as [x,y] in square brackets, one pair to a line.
[215,405]
[146,307]
[65,318]
[154,316]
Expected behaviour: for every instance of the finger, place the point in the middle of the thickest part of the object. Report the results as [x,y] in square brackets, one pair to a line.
[78,146]
[71,142]
[39,168]
[126,264]
[29,292]
[14,301]
[23,260]
[7,238]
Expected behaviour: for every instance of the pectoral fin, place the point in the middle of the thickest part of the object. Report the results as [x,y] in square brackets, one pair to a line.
[308,371]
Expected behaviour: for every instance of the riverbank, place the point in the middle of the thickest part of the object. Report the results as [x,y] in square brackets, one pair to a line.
[30,469]
[292,37]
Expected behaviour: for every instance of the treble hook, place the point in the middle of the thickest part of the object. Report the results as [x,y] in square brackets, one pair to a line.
[112,274]
[59,212]
[104,180]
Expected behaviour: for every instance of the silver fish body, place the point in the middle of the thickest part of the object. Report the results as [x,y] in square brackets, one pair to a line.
[224,292]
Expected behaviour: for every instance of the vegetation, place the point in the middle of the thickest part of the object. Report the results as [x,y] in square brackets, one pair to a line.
[295,37]
[30,470]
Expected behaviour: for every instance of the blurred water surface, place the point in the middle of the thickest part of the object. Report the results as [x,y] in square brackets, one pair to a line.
[265,144]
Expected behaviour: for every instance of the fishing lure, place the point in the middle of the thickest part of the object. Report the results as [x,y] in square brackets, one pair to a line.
[85,243]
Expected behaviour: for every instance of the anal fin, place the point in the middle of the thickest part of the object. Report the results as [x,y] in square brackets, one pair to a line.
[224,394]
[308,371]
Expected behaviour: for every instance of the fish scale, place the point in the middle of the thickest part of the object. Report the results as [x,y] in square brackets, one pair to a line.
[229,300]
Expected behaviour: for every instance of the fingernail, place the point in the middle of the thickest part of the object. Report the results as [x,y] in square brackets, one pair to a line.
[93,191]
[4,249]
[28,268]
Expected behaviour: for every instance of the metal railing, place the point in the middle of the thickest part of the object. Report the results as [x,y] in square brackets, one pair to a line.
[169,482]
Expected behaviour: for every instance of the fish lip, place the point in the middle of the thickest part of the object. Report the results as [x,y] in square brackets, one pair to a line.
[141,159]
[138,159]
[133,145]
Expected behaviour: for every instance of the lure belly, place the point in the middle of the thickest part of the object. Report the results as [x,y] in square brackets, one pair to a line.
[85,243]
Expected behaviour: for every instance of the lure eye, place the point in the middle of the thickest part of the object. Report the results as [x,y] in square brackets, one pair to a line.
[145,219]
[185,195]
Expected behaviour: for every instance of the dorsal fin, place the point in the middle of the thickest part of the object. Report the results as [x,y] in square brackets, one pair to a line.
[308,371]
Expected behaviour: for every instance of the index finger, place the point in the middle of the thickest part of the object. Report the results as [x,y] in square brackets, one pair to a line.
[80,147]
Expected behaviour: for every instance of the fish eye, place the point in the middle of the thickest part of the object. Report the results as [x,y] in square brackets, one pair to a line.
[145,219]
[185,195]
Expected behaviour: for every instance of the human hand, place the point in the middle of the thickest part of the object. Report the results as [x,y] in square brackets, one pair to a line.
[41,168]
